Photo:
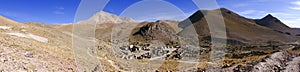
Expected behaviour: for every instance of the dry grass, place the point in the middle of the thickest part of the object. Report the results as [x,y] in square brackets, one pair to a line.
[55,55]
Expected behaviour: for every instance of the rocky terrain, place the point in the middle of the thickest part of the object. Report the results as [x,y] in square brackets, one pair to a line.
[122,44]
[249,44]
[34,47]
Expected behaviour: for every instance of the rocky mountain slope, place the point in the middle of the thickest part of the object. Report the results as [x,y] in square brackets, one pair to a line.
[123,44]
[241,29]
[275,24]
[6,21]
[34,47]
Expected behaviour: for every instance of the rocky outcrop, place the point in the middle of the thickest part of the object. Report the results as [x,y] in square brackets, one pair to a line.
[34,47]
[280,61]
[151,53]
[274,63]
[154,31]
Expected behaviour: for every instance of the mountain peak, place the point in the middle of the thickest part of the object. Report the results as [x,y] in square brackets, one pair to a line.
[105,17]
[228,12]
[112,18]
[198,15]
[104,13]
[269,16]
[224,9]
[272,22]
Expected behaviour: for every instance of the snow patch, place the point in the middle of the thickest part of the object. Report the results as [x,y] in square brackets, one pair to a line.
[31,36]
[18,34]
[5,27]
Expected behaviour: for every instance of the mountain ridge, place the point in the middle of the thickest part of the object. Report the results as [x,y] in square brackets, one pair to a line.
[248,41]
[7,21]
[238,28]
[105,17]
[275,24]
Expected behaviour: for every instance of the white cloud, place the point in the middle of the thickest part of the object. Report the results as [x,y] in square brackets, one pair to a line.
[296,5]
[291,15]
[19,16]
[58,12]
[295,8]
[262,0]
[289,18]
[168,16]
[241,5]
[251,12]
[161,16]
[292,23]
[60,8]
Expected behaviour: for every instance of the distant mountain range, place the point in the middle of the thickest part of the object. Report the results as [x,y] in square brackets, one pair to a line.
[35,46]
[238,28]
[246,30]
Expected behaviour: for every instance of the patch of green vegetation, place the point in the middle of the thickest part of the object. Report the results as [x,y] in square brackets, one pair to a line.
[296,48]
[242,55]
[28,48]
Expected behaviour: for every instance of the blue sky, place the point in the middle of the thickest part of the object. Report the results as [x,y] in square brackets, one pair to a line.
[63,11]
[45,11]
